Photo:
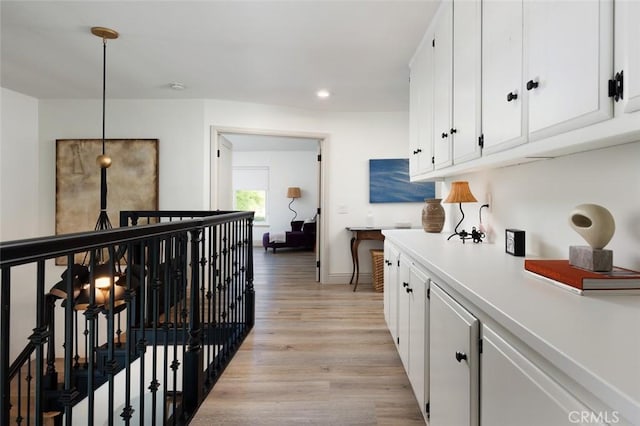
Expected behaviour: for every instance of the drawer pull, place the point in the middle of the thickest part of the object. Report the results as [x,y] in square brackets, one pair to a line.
[532,84]
[444,135]
[512,96]
[409,290]
[460,356]
[405,284]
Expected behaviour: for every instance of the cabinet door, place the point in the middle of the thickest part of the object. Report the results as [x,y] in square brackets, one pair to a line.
[569,57]
[421,109]
[628,54]
[391,257]
[467,15]
[516,392]
[453,355]
[442,90]
[418,335]
[503,97]
[403,314]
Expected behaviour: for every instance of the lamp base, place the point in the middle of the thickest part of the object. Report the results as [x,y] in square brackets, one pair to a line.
[475,235]
[585,257]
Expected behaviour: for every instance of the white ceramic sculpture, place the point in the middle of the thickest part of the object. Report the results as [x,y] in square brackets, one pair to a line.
[594,223]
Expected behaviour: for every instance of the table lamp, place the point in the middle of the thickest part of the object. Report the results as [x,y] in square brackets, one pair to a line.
[460,193]
[293,192]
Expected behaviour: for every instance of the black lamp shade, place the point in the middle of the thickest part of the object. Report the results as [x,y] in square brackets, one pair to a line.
[78,271]
[59,290]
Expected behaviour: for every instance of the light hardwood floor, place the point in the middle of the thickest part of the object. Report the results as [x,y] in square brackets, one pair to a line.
[318,355]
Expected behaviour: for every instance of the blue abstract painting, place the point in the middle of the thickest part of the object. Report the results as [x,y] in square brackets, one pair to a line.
[389,183]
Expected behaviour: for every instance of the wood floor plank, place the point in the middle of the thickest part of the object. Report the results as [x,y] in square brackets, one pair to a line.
[318,355]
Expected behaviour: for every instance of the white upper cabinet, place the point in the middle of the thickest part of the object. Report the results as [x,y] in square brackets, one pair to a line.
[442,91]
[627,67]
[421,109]
[503,97]
[531,79]
[467,18]
[568,62]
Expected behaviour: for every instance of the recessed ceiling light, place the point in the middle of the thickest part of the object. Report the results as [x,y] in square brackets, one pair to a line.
[323,93]
[176,85]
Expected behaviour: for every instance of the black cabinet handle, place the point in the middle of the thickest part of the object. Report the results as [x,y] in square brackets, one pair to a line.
[409,290]
[405,284]
[418,151]
[512,96]
[460,356]
[453,130]
[531,84]
[444,135]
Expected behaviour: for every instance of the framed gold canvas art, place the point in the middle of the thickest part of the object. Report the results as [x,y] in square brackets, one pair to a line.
[132,181]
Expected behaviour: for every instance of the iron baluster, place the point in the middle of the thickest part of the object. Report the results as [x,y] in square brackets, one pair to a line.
[5,311]
[193,357]
[155,285]
[127,411]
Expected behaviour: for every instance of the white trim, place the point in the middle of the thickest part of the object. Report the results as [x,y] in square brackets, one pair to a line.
[323,140]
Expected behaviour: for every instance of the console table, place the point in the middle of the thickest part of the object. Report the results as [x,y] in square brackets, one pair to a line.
[361,233]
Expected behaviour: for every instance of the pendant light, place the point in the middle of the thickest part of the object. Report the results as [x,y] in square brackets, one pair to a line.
[103,273]
[103,160]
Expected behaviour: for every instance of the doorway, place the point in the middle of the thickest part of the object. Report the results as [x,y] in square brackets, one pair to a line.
[284,159]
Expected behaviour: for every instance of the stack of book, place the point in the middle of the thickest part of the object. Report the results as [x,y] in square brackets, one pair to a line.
[581,281]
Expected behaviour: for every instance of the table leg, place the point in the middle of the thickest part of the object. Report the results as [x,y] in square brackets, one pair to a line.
[353,261]
[357,263]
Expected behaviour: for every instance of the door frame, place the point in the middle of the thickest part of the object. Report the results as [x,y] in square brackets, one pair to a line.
[322,271]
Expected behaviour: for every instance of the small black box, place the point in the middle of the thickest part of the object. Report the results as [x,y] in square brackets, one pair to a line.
[514,241]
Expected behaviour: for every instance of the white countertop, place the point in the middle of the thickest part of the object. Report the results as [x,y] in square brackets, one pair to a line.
[595,340]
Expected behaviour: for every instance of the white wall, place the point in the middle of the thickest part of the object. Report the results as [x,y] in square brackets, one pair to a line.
[19,206]
[286,168]
[177,124]
[539,196]
[18,164]
[352,139]
[183,128]
[536,197]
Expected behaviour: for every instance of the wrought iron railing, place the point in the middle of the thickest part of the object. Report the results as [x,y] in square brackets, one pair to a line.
[151,344]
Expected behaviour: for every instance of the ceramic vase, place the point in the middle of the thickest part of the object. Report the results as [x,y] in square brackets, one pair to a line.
[594,223]
[432,215]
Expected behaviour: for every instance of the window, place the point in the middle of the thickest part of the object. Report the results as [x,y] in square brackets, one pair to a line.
[252,200]
[250,191]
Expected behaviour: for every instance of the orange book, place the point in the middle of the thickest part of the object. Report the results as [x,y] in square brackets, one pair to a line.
[561,271]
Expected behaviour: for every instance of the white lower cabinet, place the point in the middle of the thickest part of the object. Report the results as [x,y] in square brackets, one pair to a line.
[454,362]
[407,314]
[391,264]
[516,392]
[419,336]
[473,361]
[413,329]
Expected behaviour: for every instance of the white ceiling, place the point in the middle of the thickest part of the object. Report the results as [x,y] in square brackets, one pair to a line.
[271,52]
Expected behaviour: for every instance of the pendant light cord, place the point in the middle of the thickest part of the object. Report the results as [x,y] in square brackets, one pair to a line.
[104,88]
